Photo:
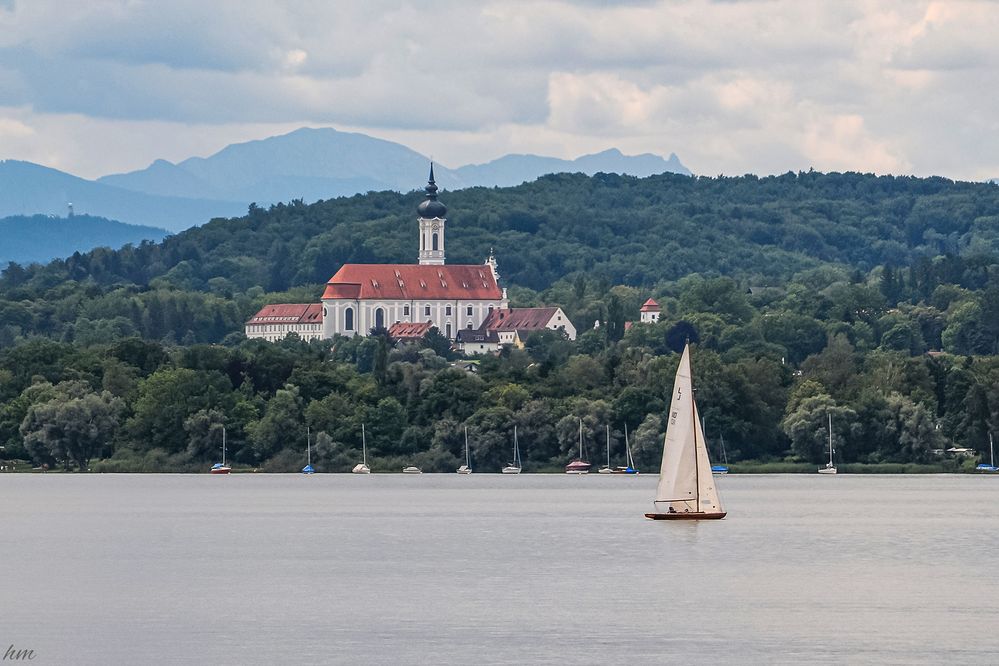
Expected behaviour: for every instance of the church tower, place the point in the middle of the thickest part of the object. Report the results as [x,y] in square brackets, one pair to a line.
[432,217]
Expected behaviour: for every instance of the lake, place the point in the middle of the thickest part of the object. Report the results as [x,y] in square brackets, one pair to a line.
[493,569]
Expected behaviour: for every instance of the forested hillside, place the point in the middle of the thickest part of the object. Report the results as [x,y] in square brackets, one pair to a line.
[806,295]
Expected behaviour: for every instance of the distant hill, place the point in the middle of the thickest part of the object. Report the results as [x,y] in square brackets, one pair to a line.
[516,169]
[29,189]
[307,164]
[313,164]
[41,238]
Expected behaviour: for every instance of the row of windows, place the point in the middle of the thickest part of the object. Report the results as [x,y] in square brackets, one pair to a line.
[447,310]
[348,320]
[285,327]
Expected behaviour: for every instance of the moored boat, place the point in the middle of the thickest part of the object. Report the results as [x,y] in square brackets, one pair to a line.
[686,489]
[221,468]
[308,453]
[991,467]
[630,467]
[467,467]
[579,466]
[830,468]
[515,466]
[362,467]
[412,469]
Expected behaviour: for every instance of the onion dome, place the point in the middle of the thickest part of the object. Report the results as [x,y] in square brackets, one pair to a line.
[431,208]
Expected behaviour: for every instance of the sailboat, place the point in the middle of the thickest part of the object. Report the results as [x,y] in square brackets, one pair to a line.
[718,470]
[221,468]
[606,469]
[308,453]
[466,468]
[829,468]
[686,489]
[362,467]
[514,467]
[579,466]
[991,467]
[630,467]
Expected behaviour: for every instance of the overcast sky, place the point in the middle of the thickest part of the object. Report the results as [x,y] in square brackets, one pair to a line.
[761,86]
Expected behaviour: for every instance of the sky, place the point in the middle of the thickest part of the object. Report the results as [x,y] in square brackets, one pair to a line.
[730,86]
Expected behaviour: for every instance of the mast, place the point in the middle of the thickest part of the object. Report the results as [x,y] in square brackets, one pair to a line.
[364,447]
[516,448]
[697,467]
[829,414]
[992,453]
[580,438]
[607,427]
[627,447]
[466,446]
[223,446]
[308,446]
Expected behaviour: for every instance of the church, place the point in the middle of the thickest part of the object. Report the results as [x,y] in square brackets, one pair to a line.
[360,297]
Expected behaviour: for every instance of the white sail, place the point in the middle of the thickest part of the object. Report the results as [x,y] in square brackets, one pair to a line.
[685,481]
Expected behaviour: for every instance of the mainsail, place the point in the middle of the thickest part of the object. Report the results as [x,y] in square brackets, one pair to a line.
[685,481]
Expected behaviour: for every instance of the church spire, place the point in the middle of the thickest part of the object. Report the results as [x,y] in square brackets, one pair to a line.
[432,218]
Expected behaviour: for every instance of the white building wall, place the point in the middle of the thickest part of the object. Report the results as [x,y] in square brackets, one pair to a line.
[334,311]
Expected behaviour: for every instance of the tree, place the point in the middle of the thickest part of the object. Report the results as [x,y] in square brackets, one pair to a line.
[72,429]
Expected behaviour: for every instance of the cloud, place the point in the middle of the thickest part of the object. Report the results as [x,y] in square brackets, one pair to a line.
[731,86]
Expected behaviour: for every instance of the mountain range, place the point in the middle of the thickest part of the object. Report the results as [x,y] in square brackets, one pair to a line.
[41,238]
[307,164]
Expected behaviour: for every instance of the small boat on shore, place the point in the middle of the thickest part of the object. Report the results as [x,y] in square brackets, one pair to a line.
[686,489]
[412,469]
[466,468]
[579,466]
[606,469]
[830,468]
[630,467]
[515,466]
[362,467]
[221,468]
[308,453]
[991,467]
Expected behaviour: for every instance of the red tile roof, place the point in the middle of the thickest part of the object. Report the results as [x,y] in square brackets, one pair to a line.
[519,319]
[403,330]
[409,282]
[289,313]
[651,306]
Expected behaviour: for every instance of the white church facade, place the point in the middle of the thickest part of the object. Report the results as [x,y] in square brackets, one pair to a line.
[361,297]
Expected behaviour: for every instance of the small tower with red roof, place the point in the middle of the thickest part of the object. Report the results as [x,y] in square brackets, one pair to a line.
[650,312]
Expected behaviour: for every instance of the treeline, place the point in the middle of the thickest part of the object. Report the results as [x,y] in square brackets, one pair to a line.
[871,299]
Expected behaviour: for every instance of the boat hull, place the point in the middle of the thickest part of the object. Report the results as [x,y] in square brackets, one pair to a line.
[511,470]
[220,470]
[690,515]
[827,470]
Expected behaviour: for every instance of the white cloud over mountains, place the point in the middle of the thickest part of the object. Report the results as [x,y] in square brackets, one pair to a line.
[761,86]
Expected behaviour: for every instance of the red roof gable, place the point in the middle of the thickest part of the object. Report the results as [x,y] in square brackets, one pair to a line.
[519,319]
[409,282]
[403,330]
[289,313]
[651,306]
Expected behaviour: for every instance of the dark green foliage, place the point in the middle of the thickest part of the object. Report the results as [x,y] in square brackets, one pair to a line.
[804,295]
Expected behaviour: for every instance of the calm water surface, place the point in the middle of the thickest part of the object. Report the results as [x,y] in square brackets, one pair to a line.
[393,569]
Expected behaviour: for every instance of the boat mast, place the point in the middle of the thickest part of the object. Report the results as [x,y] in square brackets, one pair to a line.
[627,447]
[697,467]
[364,447]
[308,446]
[516,448]
[992,453]
[829,414]
[223,446]
[607,427]
[580,438]
[466,446]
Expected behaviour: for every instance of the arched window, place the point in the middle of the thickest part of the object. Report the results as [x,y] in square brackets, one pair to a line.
[469,327]
[447,311]
[435,241]
[447,330]
[379,318]
[348,319]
